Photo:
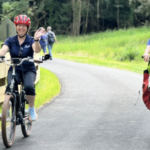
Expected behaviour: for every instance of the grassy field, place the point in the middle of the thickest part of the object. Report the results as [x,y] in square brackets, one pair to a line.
[119,49]
[47,88]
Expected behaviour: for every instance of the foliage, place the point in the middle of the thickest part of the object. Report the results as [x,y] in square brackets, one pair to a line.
[11,9]
[98,15]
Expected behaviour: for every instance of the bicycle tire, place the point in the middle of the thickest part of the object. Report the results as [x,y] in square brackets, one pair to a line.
[26,128]
[6,111]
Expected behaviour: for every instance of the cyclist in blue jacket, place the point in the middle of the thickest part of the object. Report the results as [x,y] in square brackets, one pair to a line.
[22,45]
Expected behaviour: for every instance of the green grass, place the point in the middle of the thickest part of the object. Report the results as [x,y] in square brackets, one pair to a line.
[119,49]
[134,66]
[47,88]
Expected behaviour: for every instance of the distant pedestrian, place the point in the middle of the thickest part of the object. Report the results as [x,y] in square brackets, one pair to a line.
[51,38]
[43,41]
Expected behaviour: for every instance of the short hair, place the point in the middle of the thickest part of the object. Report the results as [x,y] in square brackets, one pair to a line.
[41,28]
[49,28]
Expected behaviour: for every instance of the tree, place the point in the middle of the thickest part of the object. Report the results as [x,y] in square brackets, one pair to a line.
[141,10]
[86,6]
[12,9]
[98,14]
[76,7]
[37,11]
[77,17]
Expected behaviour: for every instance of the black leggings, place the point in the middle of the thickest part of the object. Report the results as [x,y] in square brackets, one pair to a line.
[28,79]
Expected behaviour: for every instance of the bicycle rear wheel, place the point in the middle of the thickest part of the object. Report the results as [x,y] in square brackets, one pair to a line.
[8,122]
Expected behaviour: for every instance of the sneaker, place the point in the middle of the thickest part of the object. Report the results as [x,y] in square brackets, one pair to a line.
[50,58]
[32,114]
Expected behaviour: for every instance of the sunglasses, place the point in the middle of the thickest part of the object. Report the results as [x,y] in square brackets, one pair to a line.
[20,52]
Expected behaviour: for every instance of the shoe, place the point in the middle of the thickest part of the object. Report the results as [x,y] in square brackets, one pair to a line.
[50,58]
[32,114]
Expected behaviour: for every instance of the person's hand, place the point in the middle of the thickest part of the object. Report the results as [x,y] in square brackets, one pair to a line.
[146,57]
[39,33]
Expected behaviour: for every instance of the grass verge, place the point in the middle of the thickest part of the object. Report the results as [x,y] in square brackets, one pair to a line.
[47,88]
[118,49]
[134,66]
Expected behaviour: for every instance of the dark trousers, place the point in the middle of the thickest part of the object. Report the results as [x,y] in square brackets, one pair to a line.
[28,79]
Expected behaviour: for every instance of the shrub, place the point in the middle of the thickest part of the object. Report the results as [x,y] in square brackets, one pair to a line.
[130,54]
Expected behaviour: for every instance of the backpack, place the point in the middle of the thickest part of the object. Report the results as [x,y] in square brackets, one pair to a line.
[146,89]
[50,39]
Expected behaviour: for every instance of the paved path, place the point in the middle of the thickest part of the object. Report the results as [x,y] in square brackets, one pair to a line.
[94,111]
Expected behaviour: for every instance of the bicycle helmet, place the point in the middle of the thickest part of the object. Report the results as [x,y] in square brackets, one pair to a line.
[22,19]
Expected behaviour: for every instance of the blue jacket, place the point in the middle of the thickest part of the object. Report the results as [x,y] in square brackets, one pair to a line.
[43,40]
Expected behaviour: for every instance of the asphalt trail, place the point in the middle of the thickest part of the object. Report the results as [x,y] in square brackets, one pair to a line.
[94,111]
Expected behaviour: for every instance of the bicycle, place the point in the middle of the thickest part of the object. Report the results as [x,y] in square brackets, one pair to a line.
[13,112]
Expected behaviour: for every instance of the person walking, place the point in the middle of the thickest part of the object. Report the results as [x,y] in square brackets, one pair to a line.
[43,41]
[51,38]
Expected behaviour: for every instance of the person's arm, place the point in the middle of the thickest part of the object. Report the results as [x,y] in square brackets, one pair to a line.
[147,51]
[4,50]
[36,45]
[56,40]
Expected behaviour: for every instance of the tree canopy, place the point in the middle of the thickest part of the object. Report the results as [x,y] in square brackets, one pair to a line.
[75,17]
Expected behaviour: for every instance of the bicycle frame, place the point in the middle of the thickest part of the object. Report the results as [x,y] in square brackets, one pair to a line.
[19,99]
[13,112]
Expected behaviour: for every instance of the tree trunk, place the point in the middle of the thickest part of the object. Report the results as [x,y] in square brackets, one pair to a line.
[73,25]
[118,13]
[38,20]
[102,18]
[76,7]
[79,18]
[87,16]
[98,15]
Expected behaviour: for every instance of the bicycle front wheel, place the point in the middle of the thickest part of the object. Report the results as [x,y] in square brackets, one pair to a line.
[8,122]
[26,127]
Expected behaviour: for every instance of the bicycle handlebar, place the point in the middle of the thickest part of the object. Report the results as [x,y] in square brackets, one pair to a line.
[21,61]
[38,61]
[44,58]
[143,57]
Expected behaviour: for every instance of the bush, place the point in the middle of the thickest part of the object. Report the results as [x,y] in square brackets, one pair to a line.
[129,54]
